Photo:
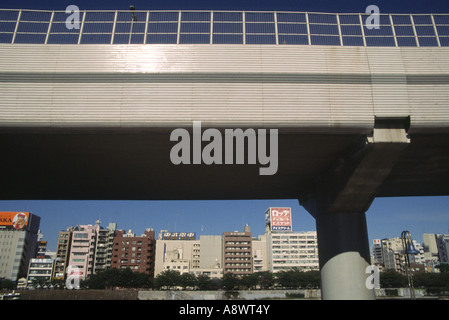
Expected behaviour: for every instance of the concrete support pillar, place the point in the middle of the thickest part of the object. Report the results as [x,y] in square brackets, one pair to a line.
[343,249]
[339,199]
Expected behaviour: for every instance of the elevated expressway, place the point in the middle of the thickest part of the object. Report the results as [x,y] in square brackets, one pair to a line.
[355,123]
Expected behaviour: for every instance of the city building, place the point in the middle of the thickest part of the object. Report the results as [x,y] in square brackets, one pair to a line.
[394,257]
[179,251]
[293,250]
[377,258]
[443,248]
[260,253]
[18,243]
[40,271]
[184,253]
[82,250]
[134,252]
[286,249]
[62,254]
[436,248]
[237,252]
[104,247]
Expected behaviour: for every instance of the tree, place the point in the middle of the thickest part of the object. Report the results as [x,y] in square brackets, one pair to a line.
[230,281]
[249,281]
[111,278]
[287,279]
[168,279]
[7,284]
[265,279]
[188,280]
[298,278]
[204,282]
[392,279]
[444,267]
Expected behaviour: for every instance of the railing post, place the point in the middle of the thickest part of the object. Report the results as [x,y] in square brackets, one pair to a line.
[49,26]
[276,31]
[82,26]
[414,30]
[435,29]
[363,30]
[309,38]
[178,36]
[17,27]
[113,26]
[339,30]
[394,31]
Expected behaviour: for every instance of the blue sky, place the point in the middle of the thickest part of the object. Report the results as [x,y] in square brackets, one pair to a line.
[387,217]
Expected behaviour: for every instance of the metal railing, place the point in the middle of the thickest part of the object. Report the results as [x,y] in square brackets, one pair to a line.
[222,27]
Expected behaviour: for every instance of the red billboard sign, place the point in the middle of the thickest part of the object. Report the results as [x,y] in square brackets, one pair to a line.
[280,219]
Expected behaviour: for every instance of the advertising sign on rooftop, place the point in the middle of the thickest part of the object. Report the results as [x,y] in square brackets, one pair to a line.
[178,236]
[279,219]
[14,220]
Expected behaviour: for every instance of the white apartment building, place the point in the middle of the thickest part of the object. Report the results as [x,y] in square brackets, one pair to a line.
[289,250]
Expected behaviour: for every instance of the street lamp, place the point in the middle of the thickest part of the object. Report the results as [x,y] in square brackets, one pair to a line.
[409,249]
[134,18]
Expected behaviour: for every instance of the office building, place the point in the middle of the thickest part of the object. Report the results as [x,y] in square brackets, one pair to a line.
[179,251]
[134,252]
[103,247]
[286,249]
[62,254]
[237,252]
[182,252]
[292,250]
[18,243]
[40,271]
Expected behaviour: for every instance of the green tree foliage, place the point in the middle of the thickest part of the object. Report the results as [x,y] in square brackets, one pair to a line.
[444,267]
[188,281]
[124,278]
[230,281]
[298,279]
[168,279]
[392,279]
[431,280]
[7,284]
[265,279]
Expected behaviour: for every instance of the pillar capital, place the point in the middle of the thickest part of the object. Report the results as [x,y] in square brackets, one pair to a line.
[351,184]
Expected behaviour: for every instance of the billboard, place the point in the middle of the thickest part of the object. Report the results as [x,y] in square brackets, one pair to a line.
[279,219]
[178,236]
[14,220]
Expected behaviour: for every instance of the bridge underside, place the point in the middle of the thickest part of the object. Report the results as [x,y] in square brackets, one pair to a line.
[135,164]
